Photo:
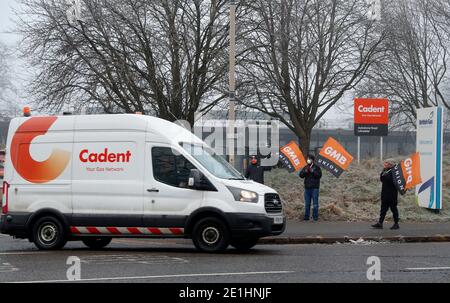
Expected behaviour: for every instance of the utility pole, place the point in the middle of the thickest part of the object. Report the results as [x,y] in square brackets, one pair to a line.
[232,82]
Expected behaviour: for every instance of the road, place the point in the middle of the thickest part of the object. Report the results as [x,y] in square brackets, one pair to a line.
[138,260]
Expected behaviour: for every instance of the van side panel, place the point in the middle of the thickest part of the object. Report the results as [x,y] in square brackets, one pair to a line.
[39,169]
[108,178]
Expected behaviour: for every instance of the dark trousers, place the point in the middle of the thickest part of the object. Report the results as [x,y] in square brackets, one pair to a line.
[385,206]
[312,194]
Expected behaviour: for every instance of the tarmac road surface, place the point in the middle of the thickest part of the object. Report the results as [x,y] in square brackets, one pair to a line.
[139,260]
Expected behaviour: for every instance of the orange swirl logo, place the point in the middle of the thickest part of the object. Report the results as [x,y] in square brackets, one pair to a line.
[29,169]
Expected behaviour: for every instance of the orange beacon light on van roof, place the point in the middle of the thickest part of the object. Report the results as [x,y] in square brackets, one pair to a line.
[26,111]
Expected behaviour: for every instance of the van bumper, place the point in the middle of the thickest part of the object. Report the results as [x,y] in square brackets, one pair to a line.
[254,225]
[14,224]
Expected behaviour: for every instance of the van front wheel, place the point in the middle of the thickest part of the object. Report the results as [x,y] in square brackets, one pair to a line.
[211,235]
[97,243]
[49,234]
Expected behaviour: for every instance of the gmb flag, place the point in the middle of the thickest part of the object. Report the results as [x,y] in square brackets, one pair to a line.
[407,173]
[291,157]
[334,158]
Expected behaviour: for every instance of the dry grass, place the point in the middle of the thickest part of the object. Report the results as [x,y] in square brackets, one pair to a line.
[355,196]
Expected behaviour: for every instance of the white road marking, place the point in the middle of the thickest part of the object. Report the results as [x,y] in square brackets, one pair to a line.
[131,259]
[7,267]
[24,253]
[427,268]
[164,276]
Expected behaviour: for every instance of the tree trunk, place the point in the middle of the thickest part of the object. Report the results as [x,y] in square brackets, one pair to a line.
[304,141]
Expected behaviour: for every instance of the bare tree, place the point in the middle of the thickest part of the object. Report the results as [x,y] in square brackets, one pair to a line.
[304,55]
[161,57]
[413,72]
[8,107]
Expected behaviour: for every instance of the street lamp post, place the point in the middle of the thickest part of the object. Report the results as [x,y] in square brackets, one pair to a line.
[232,85]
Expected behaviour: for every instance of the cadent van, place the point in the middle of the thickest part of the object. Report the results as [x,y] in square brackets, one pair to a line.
[97,177]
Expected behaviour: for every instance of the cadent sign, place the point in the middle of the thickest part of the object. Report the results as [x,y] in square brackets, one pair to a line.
[371,117]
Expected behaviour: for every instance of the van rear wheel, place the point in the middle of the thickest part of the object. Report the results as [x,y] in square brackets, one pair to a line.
[97,243]
[244,244]
[49,234]
[211,235]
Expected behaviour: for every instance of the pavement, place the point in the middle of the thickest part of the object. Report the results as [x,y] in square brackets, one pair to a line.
[300,232]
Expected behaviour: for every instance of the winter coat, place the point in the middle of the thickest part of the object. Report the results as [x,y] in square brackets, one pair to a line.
[312,178]
[256,173]
[389,193]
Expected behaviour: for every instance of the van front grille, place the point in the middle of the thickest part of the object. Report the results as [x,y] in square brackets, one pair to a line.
[272,203]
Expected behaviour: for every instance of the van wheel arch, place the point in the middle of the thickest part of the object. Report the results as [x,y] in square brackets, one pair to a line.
[201,214]
[44,213]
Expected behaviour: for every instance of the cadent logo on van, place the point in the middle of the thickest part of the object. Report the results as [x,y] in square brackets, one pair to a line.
[104,157]
[29,169]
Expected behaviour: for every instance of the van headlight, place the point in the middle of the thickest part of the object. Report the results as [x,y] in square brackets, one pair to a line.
[243,195]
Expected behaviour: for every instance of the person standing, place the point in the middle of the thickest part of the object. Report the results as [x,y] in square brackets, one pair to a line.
[312,175]
[389,196]
[255,171]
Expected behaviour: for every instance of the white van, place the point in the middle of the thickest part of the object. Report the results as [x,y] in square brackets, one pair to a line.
[96,177]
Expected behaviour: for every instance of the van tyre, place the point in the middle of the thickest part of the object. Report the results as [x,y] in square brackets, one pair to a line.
[211,235]
[49,234]
[244,244]
[97,243]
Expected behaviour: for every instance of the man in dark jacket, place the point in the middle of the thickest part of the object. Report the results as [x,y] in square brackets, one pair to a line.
[312,175]
[255,171]
[389,196]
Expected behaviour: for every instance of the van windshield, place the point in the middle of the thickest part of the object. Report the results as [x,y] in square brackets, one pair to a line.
[214,163]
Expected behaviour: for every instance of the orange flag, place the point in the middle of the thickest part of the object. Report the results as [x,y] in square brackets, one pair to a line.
[334,158]
[292,157]
[407,173]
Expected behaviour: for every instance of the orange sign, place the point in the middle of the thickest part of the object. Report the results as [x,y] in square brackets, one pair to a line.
[292,157]
[334,158]
[371,117]
[29,169]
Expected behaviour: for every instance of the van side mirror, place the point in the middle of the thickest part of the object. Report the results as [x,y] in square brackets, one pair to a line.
[198,181]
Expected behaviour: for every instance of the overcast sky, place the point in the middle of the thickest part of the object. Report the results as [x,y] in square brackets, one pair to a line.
[7,36]
[6,21]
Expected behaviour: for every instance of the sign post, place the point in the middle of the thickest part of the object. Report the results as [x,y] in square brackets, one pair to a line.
[430,146]
[381,148]
[371,119]
[359,149]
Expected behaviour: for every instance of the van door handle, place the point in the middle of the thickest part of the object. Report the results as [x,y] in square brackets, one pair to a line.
[153,190]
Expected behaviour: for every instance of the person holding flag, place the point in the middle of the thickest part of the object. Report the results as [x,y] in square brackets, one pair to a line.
[255,171]
[389,195]
[312,175]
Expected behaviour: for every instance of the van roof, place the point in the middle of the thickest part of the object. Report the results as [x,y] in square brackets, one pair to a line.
[160,129]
